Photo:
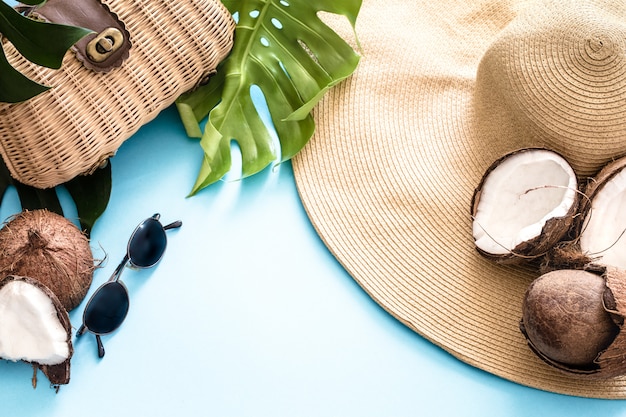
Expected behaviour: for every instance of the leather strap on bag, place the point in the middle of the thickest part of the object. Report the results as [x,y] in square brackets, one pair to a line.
[105,49]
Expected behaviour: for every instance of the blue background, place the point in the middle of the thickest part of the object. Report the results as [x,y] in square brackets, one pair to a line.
[248,314]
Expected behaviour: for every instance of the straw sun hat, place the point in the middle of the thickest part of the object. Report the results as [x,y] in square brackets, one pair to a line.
[443,90]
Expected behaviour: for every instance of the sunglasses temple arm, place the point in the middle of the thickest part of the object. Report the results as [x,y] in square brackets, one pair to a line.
[173,225]
[119,269]
[100,346]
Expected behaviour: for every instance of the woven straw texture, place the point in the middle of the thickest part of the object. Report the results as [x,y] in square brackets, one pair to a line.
[73,128]
[442,91]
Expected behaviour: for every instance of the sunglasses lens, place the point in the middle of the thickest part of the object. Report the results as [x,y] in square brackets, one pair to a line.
[147,244]
[107,308]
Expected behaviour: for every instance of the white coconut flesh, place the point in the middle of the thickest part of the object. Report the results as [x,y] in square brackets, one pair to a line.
[30,329]
[603,233]
[519,196]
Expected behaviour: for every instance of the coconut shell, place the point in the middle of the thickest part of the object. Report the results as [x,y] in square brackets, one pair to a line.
[611,362]
[48,247]
[564,319]
[603,176]
[58,374]
[593,186]
[552,233]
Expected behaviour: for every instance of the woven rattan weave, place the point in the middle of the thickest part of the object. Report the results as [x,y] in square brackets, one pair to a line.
[74,127]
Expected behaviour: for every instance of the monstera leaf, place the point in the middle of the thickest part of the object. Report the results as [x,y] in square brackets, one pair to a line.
[284,50]
[42,43]
[90,194]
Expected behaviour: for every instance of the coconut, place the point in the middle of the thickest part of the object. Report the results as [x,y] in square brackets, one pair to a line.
[524,204]
[573,320]
[603,227]
[48,247]
[35,328]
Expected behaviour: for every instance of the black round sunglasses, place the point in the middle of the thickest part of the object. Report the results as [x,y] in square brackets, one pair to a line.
[108,306]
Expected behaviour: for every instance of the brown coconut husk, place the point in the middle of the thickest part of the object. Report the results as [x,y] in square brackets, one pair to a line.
[535,249]
[48,247]
[58,374]
[564,255]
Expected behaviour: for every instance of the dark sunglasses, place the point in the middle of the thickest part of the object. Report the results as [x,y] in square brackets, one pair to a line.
[108,306]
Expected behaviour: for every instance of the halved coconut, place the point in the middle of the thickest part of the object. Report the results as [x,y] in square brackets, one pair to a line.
[35,328]
[603,230]
[524,205]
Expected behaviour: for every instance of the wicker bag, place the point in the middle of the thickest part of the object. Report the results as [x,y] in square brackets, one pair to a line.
[142,56]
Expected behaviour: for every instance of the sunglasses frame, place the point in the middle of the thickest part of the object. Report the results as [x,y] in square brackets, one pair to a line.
[115,280]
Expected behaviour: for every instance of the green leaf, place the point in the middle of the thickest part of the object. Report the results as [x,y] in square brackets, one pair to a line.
[43,43]
[14,86]
[232,5]
[283,48]
[193,107]
[90,194]
[34,198]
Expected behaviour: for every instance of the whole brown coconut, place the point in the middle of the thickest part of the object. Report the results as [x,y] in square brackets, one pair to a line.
[573,319]
[48,247]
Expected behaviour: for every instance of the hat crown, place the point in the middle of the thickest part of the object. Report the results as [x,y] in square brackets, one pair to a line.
[561,77]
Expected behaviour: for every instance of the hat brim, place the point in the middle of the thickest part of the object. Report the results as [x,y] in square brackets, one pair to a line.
[388,178]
